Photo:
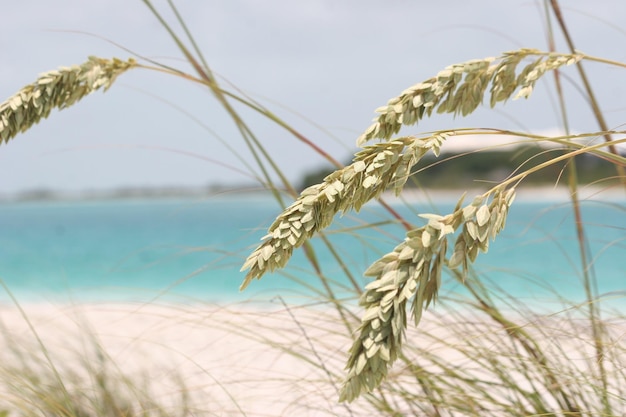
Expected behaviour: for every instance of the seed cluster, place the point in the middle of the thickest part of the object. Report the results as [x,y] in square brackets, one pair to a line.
[412,272]
[460,88]
[57,89]
[374,169]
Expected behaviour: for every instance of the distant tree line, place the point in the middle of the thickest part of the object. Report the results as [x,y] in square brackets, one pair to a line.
[477,169]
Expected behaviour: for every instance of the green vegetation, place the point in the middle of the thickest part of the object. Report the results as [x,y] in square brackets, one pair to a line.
[487,355]
[479,169]
[494,166]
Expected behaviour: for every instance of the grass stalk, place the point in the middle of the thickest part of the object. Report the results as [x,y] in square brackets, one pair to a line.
[595,107]
[252,142]
[588,281]
[44,350]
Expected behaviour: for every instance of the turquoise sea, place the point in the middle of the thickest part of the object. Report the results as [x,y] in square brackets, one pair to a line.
[192,249]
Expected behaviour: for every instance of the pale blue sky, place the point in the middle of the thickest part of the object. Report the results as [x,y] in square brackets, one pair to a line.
[333,61]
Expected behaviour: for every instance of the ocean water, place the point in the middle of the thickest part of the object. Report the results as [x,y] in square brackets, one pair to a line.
[192,249]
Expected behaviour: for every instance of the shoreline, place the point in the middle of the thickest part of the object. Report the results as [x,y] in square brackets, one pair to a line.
[525,193]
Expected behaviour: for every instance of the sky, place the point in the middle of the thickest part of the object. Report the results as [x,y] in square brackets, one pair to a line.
[321,65]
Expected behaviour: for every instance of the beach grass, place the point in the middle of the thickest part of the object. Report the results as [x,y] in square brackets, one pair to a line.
[381,351]
[278,358]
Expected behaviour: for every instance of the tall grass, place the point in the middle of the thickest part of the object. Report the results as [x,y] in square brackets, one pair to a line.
[480,355]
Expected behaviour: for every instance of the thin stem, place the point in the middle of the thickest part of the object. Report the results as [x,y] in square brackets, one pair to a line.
[357,288]
[254,145]
[517,333]
[320,361]
[595,107]
[42,346]
[588,282]
[568,155]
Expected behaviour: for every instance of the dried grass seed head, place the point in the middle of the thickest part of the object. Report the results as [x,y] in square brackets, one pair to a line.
[374,169]
[460,89]
[412,273]
[57,89]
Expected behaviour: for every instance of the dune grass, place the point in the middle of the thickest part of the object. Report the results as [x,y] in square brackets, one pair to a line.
[46,376]
[487,356]
[481,355]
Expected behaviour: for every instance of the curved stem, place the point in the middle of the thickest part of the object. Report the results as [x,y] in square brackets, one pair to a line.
[595,107]
[522,175]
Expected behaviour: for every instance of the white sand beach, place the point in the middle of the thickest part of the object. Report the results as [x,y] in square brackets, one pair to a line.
[234,361]
[253,360]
